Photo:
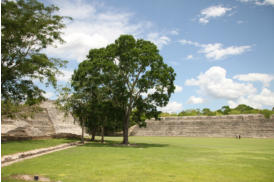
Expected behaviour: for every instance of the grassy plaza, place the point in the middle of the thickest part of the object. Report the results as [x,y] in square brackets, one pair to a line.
[155,159]
[12,147]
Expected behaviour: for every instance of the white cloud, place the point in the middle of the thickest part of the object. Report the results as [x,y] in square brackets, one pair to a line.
[48,95]
[216,51]
[212,12]
[178,88]
[159,40]
[174,32]
[189,57]
[189,42]
[195,100]
[77,10]
[94,26]
[66,76]
[151,91]
[172,107]
[252,77]
[264,98]
[240,22]
[265,2]
[260,2]
[215,84]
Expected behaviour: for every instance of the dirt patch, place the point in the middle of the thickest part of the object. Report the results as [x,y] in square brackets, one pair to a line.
[27,177]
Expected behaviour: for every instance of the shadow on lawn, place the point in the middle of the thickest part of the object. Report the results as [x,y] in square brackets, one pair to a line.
[117,144]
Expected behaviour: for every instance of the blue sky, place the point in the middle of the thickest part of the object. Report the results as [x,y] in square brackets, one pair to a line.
[222,51]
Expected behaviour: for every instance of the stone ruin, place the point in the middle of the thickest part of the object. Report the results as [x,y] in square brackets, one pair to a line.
[248,125]
[50,122]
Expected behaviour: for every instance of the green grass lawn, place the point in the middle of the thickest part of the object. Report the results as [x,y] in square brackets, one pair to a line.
[12,147]
[157,159]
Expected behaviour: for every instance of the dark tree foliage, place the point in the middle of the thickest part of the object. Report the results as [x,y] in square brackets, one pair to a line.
[28,26]
[244,108]
[208,112]
[121,74]
[225,110]
[94,77]
[140,69]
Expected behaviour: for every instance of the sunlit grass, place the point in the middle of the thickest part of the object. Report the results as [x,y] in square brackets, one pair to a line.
[157,159]
[12,147]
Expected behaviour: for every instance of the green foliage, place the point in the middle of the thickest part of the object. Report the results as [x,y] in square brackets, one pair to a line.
[27,27]
[208,112]
[190,112]
[244,109]
[225,110]
[165,114]
[266,113]
[117,76]
[94,78]
[234,112]
[140,68]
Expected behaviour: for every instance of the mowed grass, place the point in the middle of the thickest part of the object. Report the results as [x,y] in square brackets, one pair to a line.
[156,159]
[12,147]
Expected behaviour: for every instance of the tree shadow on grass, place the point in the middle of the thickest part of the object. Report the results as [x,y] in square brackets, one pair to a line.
[117,144]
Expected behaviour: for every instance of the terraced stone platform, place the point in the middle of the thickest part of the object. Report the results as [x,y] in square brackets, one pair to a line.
[250,125]
[50,121]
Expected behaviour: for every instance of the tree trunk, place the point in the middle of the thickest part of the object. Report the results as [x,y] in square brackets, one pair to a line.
[93,133]
[102,134]
[125,129]
[83,131]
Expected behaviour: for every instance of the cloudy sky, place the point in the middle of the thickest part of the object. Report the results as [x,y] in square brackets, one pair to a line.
[222,51]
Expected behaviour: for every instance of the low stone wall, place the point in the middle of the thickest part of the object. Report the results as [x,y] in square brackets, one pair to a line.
[250,125]
[49,122]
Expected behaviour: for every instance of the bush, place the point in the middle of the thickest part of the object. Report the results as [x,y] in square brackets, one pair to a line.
[266,113]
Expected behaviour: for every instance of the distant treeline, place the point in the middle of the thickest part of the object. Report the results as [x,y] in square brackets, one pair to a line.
[225,110]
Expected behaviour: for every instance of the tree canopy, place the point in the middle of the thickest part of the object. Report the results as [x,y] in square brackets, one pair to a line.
[131,75]
[225,110]
[27,27]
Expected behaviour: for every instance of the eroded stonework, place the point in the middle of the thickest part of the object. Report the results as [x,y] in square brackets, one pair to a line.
[250,125]
[50,121]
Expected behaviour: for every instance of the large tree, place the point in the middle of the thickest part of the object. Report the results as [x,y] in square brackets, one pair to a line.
[27,27]
[93,77]
[146,80]
[134,76]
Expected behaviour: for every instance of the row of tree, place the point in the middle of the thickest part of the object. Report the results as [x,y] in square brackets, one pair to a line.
[225,110]
[108,90]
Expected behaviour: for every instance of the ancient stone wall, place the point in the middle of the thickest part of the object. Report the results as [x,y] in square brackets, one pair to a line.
[48,122]
[250,125]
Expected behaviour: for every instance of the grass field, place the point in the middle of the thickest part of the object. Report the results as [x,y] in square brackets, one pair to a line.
[156,159]
[12,147]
